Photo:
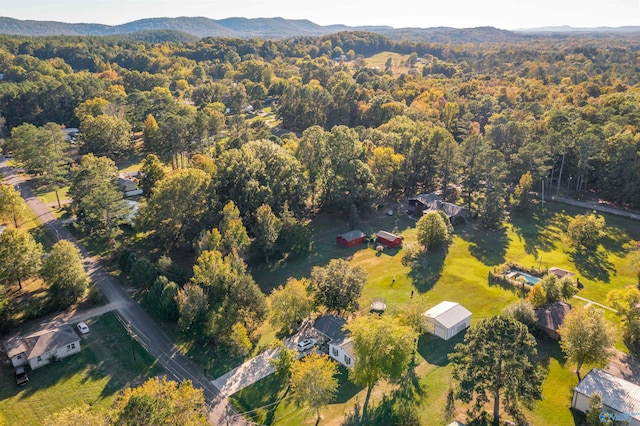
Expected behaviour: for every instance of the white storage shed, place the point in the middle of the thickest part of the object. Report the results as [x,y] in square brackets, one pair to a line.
[619,397]
[447,319]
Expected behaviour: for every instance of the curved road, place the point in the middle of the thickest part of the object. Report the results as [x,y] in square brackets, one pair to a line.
[148,333]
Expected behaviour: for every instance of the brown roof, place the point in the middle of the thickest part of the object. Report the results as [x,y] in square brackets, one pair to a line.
[551,316]
[560,273]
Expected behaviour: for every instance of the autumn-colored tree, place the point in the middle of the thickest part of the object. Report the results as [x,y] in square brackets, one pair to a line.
[12,206]
[587,337]
[584,231]
[627,302]
[20,256]
[161,401]
[383,348]
[537,297]
[289,304]
[313,381]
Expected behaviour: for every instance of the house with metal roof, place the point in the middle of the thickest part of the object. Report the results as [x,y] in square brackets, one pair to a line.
[619,397]
[447,319]
[351,238]
[424,203]
[43,347]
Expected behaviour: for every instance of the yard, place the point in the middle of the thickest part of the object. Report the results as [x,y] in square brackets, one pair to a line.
[460,276]
[94,376]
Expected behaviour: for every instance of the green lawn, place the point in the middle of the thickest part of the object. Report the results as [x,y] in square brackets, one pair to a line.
[533,239]
[94,376]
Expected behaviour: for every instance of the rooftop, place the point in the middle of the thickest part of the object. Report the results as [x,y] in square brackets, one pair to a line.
[552,315]
[448,313]
[331,327]
[617,393]
[352,235]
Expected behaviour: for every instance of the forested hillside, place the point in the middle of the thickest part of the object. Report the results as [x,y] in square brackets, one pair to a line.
[563,109]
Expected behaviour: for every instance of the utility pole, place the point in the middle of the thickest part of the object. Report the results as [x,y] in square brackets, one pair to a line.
[132,336]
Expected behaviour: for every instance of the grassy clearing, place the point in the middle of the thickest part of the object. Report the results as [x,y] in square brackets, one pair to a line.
[94,376]
[461,275]
[398,62]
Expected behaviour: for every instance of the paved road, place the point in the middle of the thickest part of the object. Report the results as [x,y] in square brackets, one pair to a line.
[596,206]
[148,333]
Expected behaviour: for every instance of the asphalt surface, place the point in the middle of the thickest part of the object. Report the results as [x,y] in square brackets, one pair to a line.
[146,331]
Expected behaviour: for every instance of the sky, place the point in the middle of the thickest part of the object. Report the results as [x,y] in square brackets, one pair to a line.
[505,14]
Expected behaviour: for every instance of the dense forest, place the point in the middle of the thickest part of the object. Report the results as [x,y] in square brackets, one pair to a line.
[242,142]
[565,109]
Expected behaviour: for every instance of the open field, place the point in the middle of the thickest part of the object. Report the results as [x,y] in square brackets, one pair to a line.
[398,62]
[94,376]
[461,275]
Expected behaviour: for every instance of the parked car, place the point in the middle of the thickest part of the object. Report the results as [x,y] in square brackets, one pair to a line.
[306,344]
[21,376]
[83,328]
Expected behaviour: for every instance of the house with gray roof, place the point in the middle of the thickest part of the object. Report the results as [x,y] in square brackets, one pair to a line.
[340,346]
[425,203]
[43,347]
[619,397]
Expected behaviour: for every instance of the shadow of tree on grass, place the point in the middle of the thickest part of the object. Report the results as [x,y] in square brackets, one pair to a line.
[486,245]
[426,269]
[533,230]
[593,265]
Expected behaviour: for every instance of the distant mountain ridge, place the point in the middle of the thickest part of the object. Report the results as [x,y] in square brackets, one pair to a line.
[195,26]
[570,29]
[200,27]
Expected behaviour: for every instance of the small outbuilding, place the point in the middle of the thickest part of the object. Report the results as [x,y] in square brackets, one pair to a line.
[388,239]
[561,273]
[447,319]
[619,397]
[351,238]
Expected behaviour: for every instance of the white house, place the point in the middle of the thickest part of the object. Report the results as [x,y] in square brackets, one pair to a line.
[447,319]
[619,397]
[43,347]
[342,351]
[339,345]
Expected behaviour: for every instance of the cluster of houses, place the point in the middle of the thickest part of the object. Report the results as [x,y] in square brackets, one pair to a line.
[416,206]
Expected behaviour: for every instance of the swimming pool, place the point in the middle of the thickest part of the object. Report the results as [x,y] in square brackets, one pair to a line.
[513,274]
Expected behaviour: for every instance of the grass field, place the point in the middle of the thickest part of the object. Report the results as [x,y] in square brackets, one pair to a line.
[534,239]
[94,376]
[398,62]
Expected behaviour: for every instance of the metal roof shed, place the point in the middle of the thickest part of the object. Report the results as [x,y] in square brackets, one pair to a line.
[618,395]
[447,319]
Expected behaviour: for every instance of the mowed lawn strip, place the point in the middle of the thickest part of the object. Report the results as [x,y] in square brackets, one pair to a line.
[94,376]
[533,239]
